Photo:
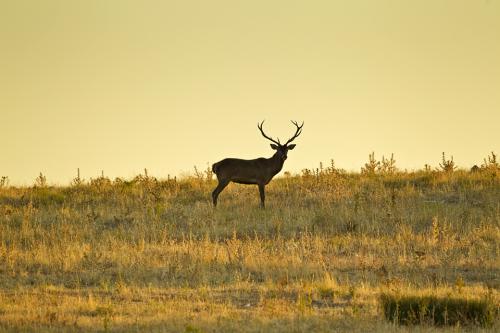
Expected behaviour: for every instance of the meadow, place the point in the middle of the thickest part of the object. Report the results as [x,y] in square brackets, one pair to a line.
[154,255]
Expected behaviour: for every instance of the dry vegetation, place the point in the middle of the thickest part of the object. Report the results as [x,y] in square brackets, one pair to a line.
[154,255]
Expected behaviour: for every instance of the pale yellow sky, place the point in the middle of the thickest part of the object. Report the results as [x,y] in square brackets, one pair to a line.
[123,85]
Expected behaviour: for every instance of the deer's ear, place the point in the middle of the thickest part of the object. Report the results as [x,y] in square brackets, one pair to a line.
[274,146]
[290,147]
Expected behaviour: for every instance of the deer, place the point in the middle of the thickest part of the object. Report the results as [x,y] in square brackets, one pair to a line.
[258,171]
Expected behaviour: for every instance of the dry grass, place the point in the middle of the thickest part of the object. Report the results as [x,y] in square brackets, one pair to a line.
[148,255]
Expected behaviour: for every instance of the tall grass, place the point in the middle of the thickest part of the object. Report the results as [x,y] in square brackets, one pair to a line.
[154,254]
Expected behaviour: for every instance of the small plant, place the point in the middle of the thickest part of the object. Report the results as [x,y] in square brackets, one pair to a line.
[101,181]
[446,165]
[77,181]
[199,175]
[306,173]
[388,166]
[209,173]
[41,181]
[372,166]
[4,181]
[491,163]
[332,169]
[203,175]
[142,179]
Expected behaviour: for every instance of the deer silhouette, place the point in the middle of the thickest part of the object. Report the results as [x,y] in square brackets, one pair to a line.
[258,171]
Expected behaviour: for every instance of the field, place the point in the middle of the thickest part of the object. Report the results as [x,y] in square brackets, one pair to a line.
[154,255]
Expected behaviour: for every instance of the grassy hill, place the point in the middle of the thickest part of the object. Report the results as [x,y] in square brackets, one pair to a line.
[148,254]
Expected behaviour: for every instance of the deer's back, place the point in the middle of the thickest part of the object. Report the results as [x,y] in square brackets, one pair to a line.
[241,171]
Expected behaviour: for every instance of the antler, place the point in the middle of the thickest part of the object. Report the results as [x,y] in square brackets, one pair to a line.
[264,134]
[297,132]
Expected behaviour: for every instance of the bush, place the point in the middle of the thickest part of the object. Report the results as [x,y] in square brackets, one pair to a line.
[447,165]
[438,310]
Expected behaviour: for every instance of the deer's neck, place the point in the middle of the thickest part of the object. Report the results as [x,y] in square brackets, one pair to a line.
[277,163]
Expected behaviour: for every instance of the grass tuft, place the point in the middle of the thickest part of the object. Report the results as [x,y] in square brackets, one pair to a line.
[437,310]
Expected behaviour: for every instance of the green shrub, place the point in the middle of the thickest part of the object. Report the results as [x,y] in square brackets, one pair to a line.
[438,310]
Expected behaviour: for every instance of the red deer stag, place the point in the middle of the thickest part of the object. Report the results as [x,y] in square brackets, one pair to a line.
[259,171]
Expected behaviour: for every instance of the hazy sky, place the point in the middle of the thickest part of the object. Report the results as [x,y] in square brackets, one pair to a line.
[123,85]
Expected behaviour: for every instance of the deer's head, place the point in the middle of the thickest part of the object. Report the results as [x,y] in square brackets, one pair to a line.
[282,149]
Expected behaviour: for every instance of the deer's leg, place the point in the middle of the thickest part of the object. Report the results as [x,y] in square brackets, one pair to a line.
[262,195]
[222,184]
